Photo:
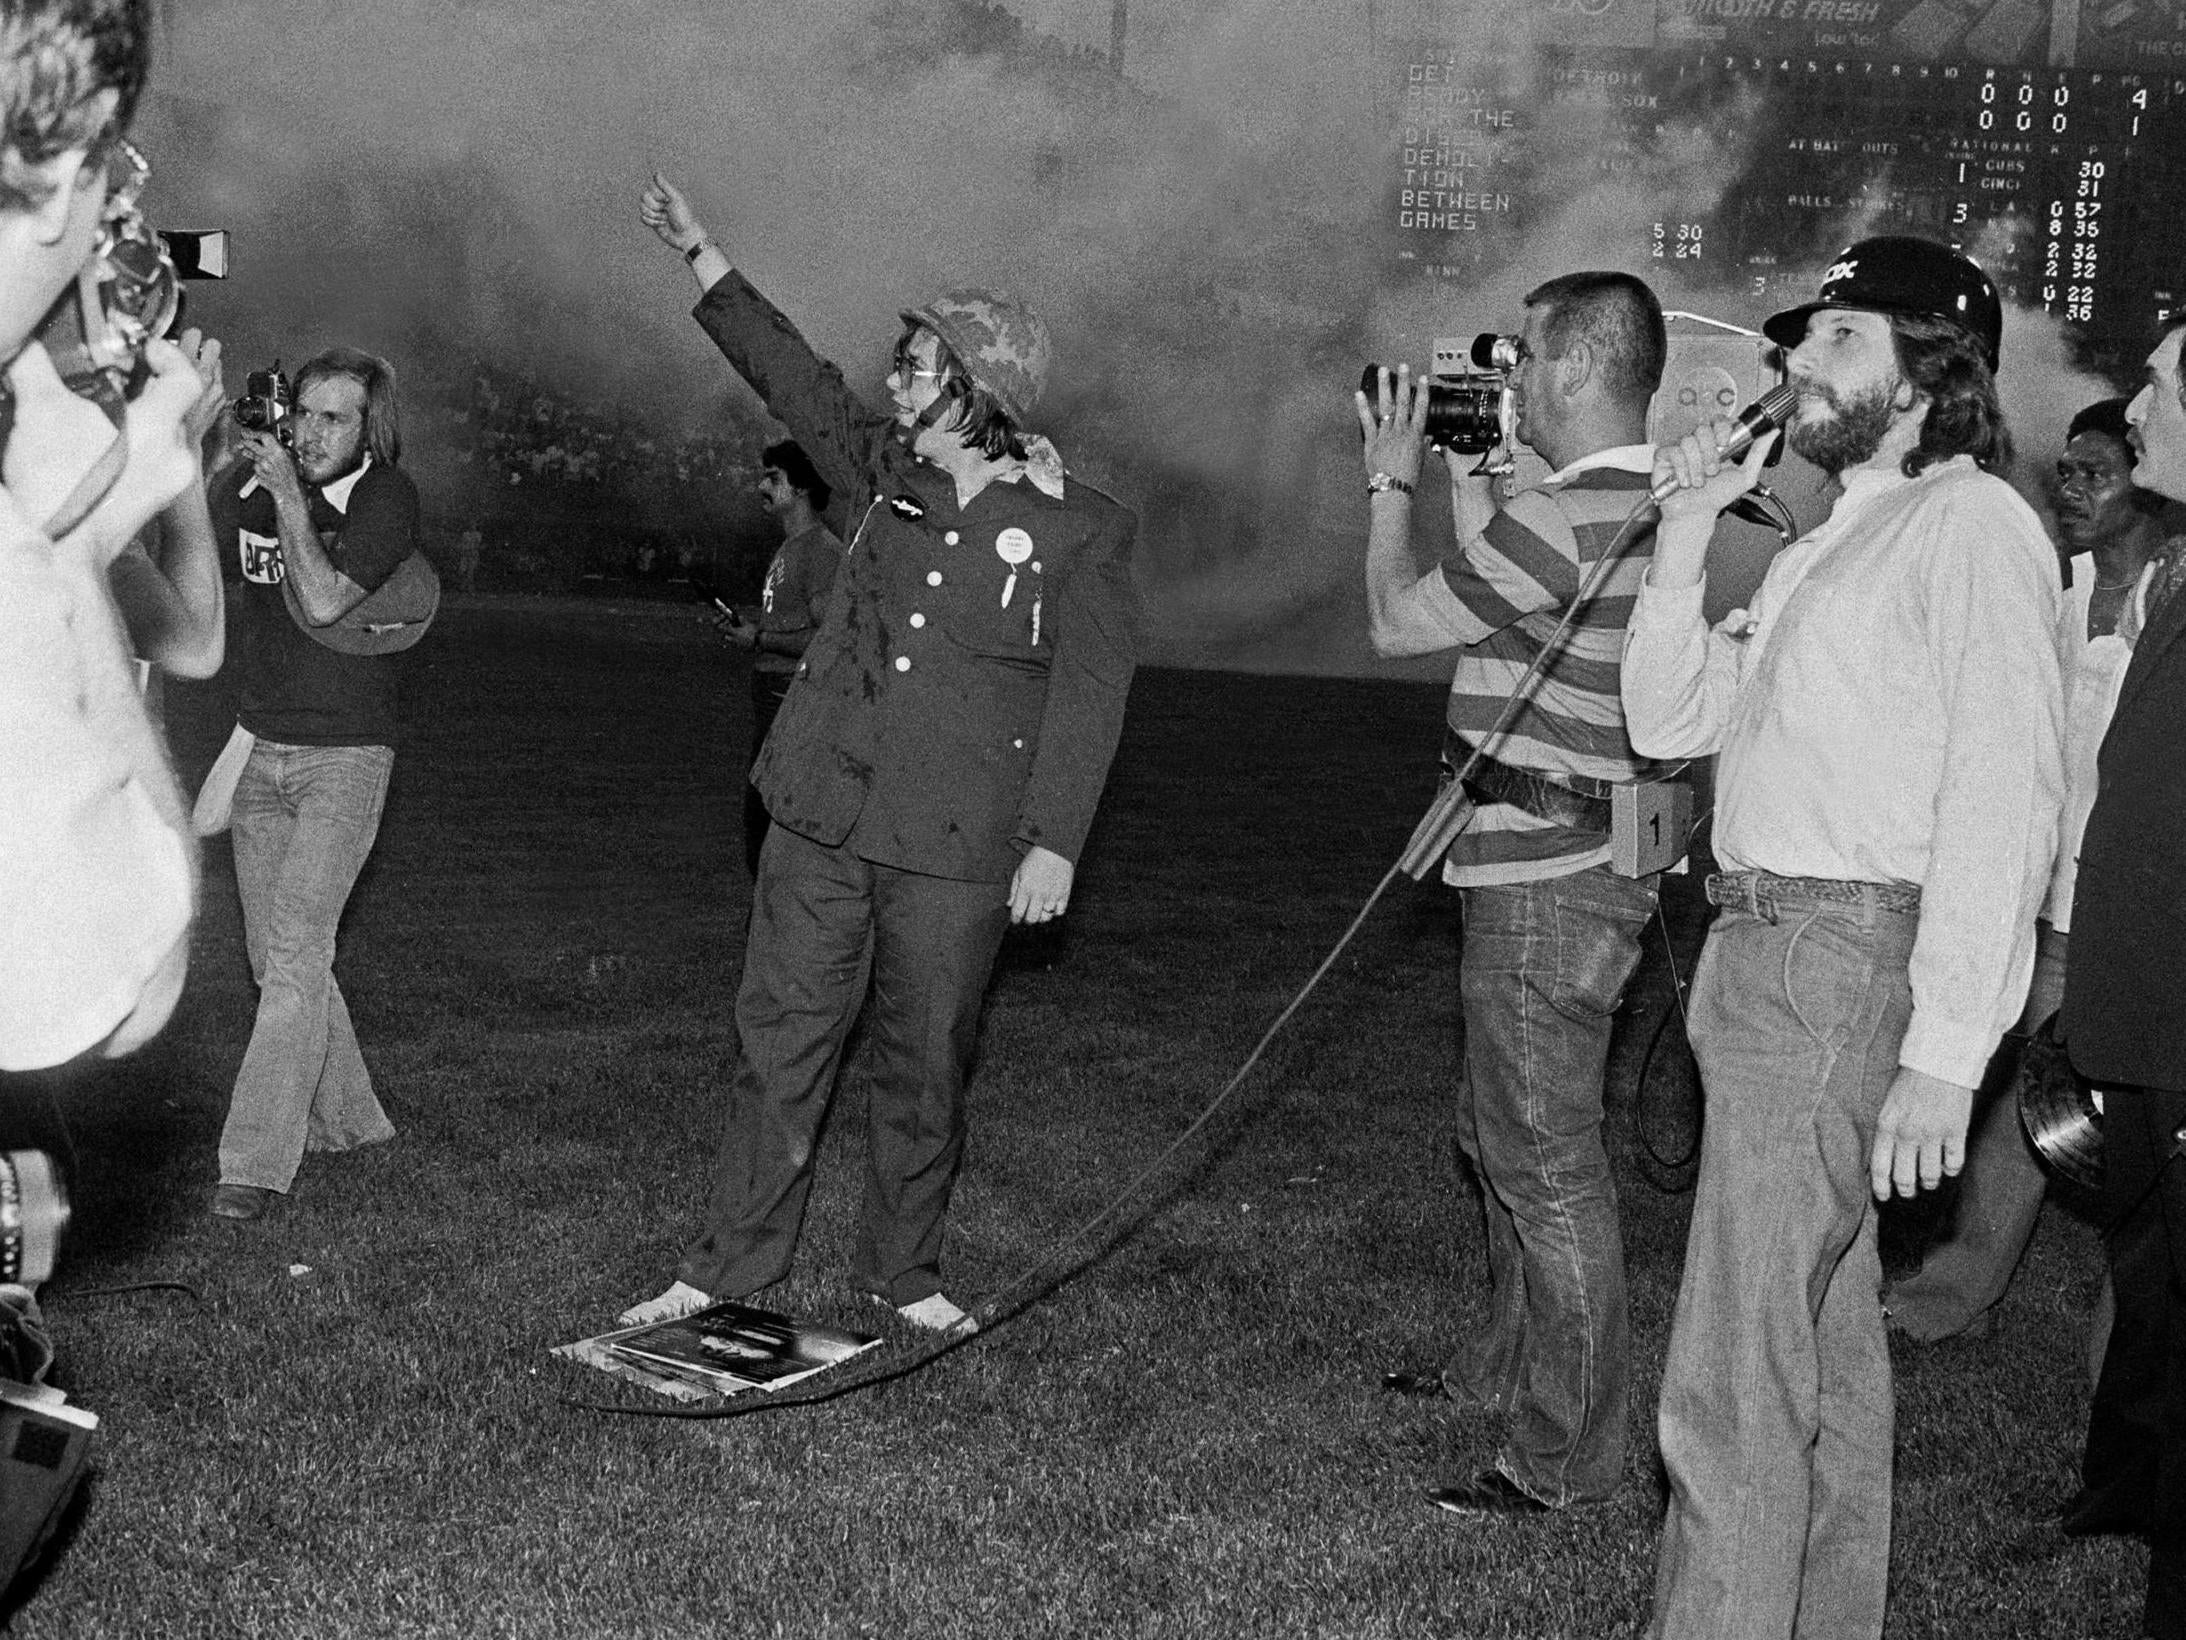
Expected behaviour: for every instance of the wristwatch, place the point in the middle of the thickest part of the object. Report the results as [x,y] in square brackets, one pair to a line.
[1380,483]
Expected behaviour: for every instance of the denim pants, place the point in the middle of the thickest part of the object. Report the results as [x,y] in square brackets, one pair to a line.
[304,821]
[1540,975]
[826,927]
[1777,1407]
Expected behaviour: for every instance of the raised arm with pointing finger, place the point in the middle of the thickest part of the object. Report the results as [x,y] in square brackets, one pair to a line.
[934,768]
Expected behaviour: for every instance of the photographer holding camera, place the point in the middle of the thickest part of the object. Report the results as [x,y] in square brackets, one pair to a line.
[1551,931]
[322,519]
[97,871]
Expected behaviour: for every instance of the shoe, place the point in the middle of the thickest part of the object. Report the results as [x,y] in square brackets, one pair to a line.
[1417,1381]
[936,1314]
[240,1201]
[678,1301]
[2111,1512]
[1491,1492]
[1972,1331]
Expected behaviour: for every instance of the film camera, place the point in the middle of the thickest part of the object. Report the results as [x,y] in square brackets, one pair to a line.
[1468,393]
[129,291]
[266,402]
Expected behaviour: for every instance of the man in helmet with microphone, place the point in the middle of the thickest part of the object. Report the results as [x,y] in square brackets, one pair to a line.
[1888,716]
[932,772]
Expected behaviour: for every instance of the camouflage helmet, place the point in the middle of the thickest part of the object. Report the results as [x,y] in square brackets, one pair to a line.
[1001,343]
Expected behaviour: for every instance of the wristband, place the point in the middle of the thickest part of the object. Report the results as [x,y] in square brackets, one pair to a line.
[1383,483]
[691,255]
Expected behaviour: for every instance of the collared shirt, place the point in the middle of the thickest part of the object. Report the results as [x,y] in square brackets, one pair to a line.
[1895,715]
[1502,594]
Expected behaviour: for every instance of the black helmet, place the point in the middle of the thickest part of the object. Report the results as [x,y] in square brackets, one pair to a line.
[1900,274]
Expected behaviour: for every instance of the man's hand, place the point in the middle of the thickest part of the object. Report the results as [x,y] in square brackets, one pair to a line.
[1706,483]
[1394,425]
[275,467]
[58,437]
[732,626]
[1040,888]
[203,352]
[663,208]
[1920,1138]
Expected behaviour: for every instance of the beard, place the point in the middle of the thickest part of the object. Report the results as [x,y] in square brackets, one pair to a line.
[1856,426]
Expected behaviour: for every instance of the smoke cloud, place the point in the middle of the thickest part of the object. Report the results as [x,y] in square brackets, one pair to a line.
[1209,236]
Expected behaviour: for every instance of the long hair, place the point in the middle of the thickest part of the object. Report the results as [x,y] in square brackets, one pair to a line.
[382,428]
[1965,417]
[55,57]
[977,418]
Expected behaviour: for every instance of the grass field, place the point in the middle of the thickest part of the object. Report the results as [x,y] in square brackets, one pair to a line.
[354,1428]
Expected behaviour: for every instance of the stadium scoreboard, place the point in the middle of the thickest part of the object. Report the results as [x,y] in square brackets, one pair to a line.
[2047,140]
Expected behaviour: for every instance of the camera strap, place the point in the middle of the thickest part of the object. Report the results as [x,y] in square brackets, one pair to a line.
[91,489]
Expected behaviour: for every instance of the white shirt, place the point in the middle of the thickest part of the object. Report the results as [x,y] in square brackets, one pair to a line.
[2093,668]
[97,882]
[1895,716]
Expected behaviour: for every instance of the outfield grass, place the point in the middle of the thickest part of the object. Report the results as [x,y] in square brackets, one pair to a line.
[355,1427]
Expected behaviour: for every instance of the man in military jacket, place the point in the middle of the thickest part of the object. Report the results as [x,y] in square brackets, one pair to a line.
[932,773]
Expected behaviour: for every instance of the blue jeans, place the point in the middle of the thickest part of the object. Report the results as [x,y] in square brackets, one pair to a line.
[1777,1406]
[304,821]
[1541,972]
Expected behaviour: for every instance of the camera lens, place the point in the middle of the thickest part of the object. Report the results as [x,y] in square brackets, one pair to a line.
[33,1213]
[1464,416]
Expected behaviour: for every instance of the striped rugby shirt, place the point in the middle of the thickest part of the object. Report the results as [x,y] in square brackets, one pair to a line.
[1511,585]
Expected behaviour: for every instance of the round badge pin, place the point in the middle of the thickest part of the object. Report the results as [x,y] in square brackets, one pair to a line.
[1013,546]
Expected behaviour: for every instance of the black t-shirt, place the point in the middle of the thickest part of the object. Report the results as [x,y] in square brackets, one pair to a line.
[294,689]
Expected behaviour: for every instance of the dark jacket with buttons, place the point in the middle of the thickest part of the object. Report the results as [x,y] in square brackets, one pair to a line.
[963,694]
[2125,975]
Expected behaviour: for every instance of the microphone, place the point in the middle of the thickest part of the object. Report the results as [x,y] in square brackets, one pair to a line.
[1764,416]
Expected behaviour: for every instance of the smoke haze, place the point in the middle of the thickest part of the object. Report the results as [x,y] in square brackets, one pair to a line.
[1209,237]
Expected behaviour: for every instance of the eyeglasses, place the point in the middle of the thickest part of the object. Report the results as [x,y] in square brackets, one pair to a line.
[904,366]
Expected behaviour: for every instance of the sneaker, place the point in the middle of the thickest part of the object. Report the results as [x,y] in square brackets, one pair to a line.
[679,1300]
[936,1314]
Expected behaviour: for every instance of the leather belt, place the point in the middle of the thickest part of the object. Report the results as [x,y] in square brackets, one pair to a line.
[1752,889]
[1567,800]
